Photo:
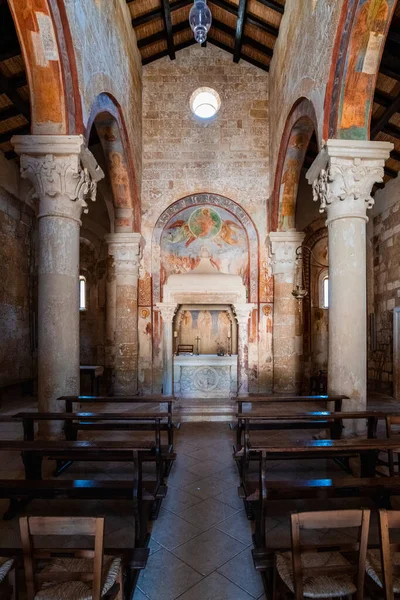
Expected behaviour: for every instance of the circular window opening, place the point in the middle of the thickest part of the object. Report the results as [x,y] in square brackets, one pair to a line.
[205,103]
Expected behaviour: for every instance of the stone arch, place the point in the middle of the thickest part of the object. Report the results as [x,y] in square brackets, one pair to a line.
[47,49]
[359,45]
[106,117]
[300,126]
[214,200]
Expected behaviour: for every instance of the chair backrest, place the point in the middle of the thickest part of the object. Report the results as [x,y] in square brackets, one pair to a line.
[333,519]
[388,519]
[60,526]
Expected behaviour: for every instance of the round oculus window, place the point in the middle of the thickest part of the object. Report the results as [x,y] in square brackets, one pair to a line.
[205,103]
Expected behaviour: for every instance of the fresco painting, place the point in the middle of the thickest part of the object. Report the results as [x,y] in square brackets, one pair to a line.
[195,227]
[362,63]
[211,326]
[290,179]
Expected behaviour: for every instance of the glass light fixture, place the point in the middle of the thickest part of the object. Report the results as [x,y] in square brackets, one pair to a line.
[200,19]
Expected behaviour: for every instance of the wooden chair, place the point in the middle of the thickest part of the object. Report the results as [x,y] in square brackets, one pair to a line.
[383,565]
[320,571]
[8,583]
[68,574]
[391,433]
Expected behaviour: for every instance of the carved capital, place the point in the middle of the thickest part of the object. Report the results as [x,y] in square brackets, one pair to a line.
[343,175]
[282,247]
[126,250]
[167,310]
[62,171]
[243,312]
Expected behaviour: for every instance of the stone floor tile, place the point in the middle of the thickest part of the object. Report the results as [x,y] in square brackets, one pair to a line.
[240,570]
[212,453]
[208,487]
[215,587]
[154,546]
[207,513]
[230,496]
[238,526]
[206,468]
[166,577]
[184,461]
[138,595]
[177,500]
[171,531]
[208,551]
[180,477]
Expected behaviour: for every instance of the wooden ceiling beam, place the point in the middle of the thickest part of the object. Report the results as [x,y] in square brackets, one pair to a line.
[392,130]
[247,40]
[227,48]
[8,113]
[239,30]
[7,135]
[250,19]
[274,5]
[390,172]
[157,13]
[160,35]
[166,13]
[9,86]
[181,46]
[382,98]
[380,123]
[395,155]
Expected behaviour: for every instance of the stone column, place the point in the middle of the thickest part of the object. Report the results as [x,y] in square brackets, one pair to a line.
[287,328]
[167,310]
[342,176]
[242,314]
[64,174]
[125,250]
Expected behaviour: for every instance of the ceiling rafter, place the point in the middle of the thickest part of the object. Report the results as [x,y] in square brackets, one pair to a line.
[157,13]
[239,30]
[273,5]
[247,40]
[166,13]
[380,123]
[248,59]
[7,135]
[154,57]
[392,130]
[9,87]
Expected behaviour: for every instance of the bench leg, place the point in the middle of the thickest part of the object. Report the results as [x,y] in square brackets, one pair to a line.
[14,507]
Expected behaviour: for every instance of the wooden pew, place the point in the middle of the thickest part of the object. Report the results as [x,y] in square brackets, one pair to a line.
[69,402]
[258,400]
[33,453]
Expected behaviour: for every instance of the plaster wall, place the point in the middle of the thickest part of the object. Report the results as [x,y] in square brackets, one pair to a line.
[96,26]
[301,63]
[384,241]
[181,156]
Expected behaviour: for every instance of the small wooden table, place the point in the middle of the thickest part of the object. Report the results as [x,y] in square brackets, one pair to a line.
[95,372]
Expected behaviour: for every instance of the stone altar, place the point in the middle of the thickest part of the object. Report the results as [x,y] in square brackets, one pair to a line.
[205,376]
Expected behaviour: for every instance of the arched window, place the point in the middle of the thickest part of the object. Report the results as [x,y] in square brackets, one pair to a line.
[82,292]
[323,289]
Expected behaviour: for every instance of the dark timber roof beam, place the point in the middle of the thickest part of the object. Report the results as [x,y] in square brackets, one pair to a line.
[9,87]
[166,13]
[393,108]
[239,30]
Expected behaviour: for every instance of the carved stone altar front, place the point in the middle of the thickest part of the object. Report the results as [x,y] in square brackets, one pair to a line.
[205,376]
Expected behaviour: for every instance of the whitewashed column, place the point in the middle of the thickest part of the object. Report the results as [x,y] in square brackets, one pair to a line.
[287,327]
[122,316]
[342,176]
[167,310]
[64,174]
[242,314]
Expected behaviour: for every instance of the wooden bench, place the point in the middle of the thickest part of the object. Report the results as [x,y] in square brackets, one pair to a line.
[104,422]
[69,402]
[33,453]
[258,400]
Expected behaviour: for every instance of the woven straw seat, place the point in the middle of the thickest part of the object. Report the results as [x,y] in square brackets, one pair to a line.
[374,568]
[321,586]
[6,564]
[77,590]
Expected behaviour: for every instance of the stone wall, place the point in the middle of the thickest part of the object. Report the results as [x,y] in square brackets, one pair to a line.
[228,156]
[301,68]
[17,260]
[384,241]
[108,60]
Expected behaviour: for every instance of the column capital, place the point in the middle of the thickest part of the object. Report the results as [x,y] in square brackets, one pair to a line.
[243,312]
[167,310]
[127,250]
[282,251]
[63,172]
[343,175]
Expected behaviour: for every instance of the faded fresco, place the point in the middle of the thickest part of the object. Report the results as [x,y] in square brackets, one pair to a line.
[213,328]
[362,63]
[212,227]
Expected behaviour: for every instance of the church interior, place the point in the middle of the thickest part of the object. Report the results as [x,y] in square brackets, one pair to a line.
[199,299]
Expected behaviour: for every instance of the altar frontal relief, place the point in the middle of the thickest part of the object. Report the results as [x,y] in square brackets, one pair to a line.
[204,226]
